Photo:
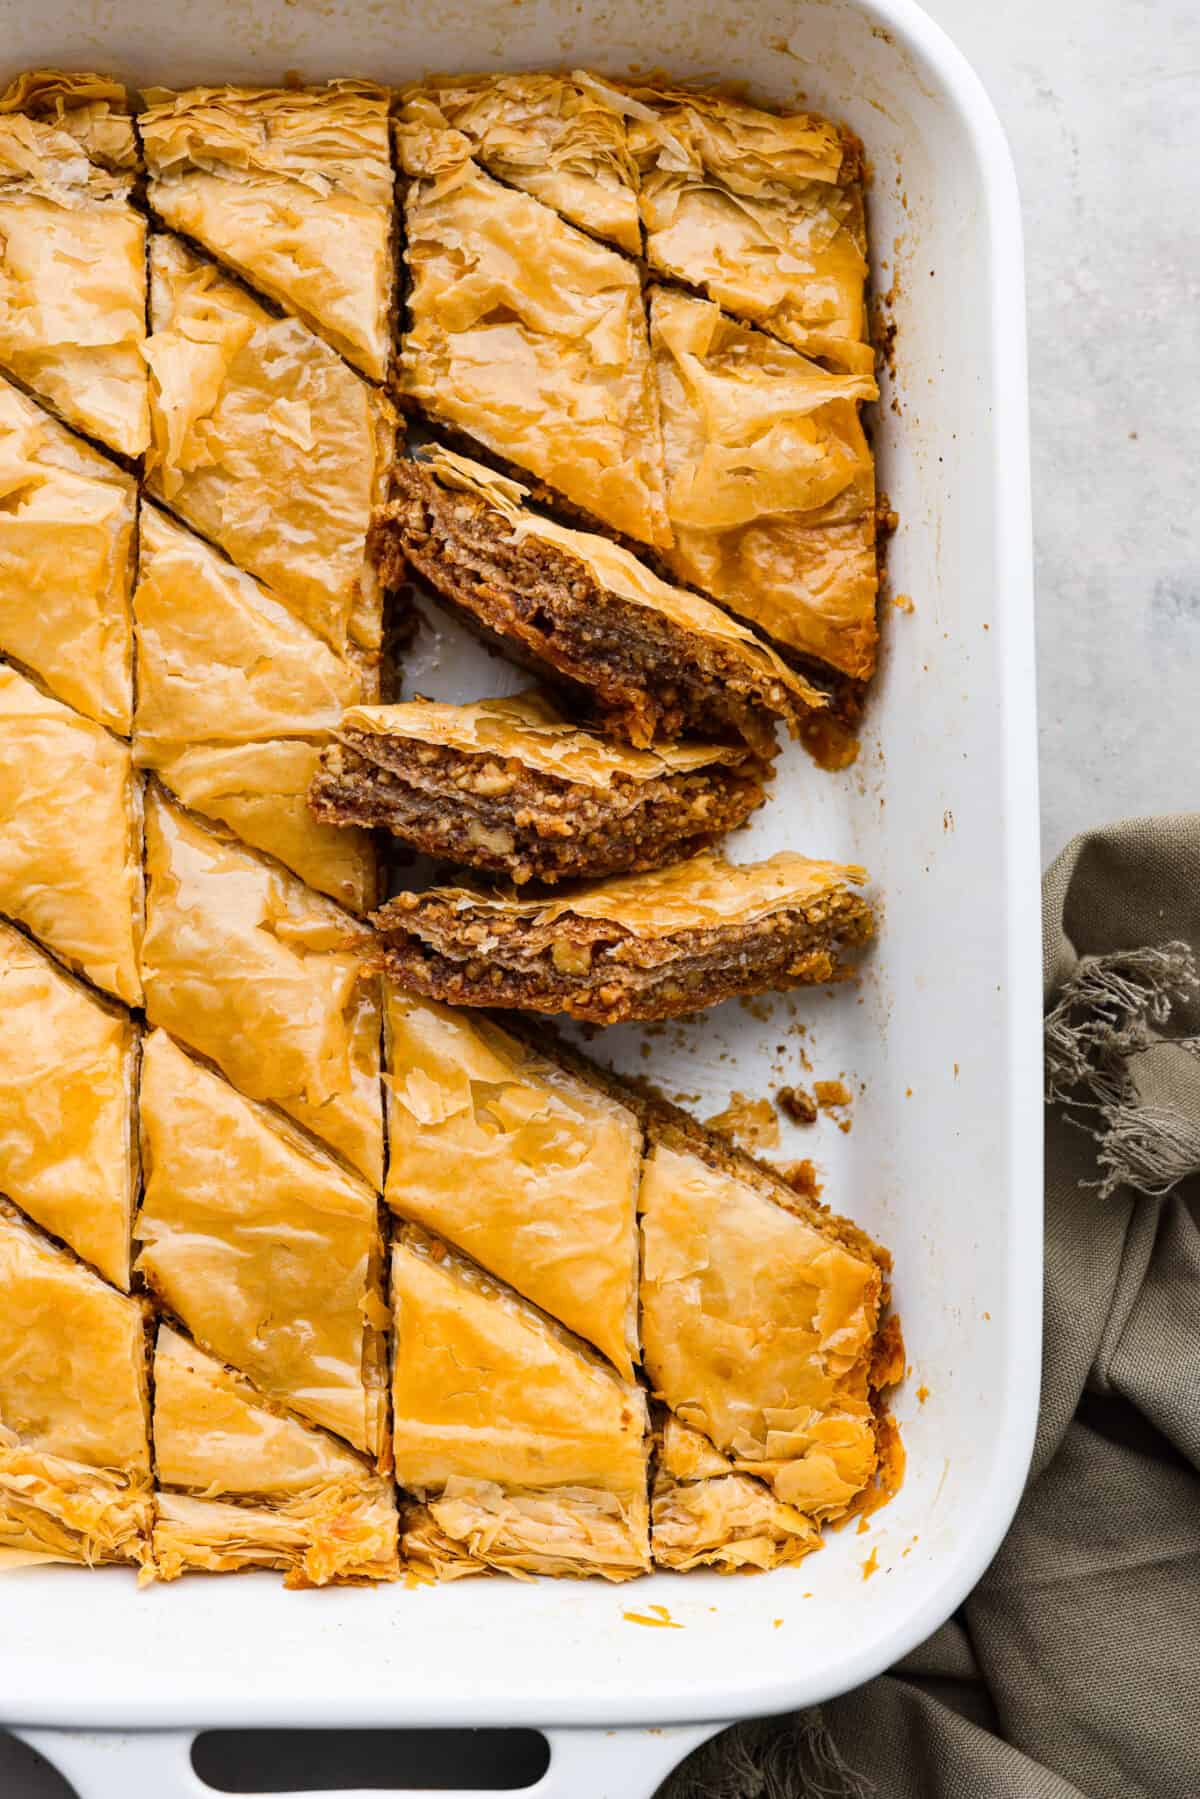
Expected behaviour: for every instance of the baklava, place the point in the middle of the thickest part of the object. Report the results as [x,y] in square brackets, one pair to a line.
[292,188]
[704,1514]
[513,788]
[647,660]
[243,1484]
[253,970]
[66,562]
[770,482]
[263,1246]
[70,849]
[68,1141]
[530,337]
[75,1479]
[526,1451]
[266,442]
[650,946]
[73,254]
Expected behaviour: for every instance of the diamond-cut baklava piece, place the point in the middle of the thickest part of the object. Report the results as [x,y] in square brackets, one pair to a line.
[241,1484]
[649,946]
[519,1162]
[70,861]
[557,137]
[74,1438]
[531,337]
[263,1245]
[511,787]
[252,969]
[770,482]
[67,1139]
[292,187]
[266,442]
[761,1315]
[648,660]
[703,1514]
[762,212]
[527,1451]
[235,697]
[73,254]
[66,561]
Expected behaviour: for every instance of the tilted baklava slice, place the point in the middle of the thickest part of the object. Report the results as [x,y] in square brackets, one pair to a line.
[235,696]
[243,1484]
[292,187]
[657,945]
[555,136]
[68,1146]
[763,212]
[66,562]
[265,442]
[252,969]
[530,337]
[526,1450]
[263,1245]
[645,659]
[770,482]
[522,1163]
[74,1428]
[704,1514]
[511,787]
[70,849]
[73,254]
[761,1317]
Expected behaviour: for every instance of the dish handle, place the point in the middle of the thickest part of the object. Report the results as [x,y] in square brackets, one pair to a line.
[584,1764]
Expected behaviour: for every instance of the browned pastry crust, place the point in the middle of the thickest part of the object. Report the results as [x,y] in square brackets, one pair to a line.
[644,674]
[609,954]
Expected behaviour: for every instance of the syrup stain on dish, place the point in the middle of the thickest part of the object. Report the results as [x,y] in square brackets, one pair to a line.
[656,1615]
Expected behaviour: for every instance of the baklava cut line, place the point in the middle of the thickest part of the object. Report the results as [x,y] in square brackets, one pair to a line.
[660,945]
[647,660]
[508,788]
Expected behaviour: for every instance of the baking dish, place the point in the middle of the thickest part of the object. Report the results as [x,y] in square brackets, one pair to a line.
[940,1040]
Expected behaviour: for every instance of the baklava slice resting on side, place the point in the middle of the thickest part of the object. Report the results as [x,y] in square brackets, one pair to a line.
[292,187]
[75,1477]
[520,1162]
[647,660]
[511,787]
[649,946]
[67,1136]
[763,212]
[525,1451]
[770,482]
[243,1484]
[70,849]
[235,696]
[66,562]
[73,254]
[252,969]
[530,337]
[263,1245]
[266,442]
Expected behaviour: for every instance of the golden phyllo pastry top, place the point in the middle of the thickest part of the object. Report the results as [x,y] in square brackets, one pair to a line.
[67,1138]
[70,853]
[759,1324]
[66,176]
[292,187]
[66,561]
[253,970]
[770,481]
[266,442]
[531,336]
[529,1169]
[262,1244]
[555,136]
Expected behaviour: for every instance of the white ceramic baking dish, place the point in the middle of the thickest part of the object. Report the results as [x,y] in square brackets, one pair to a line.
[943,1162]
